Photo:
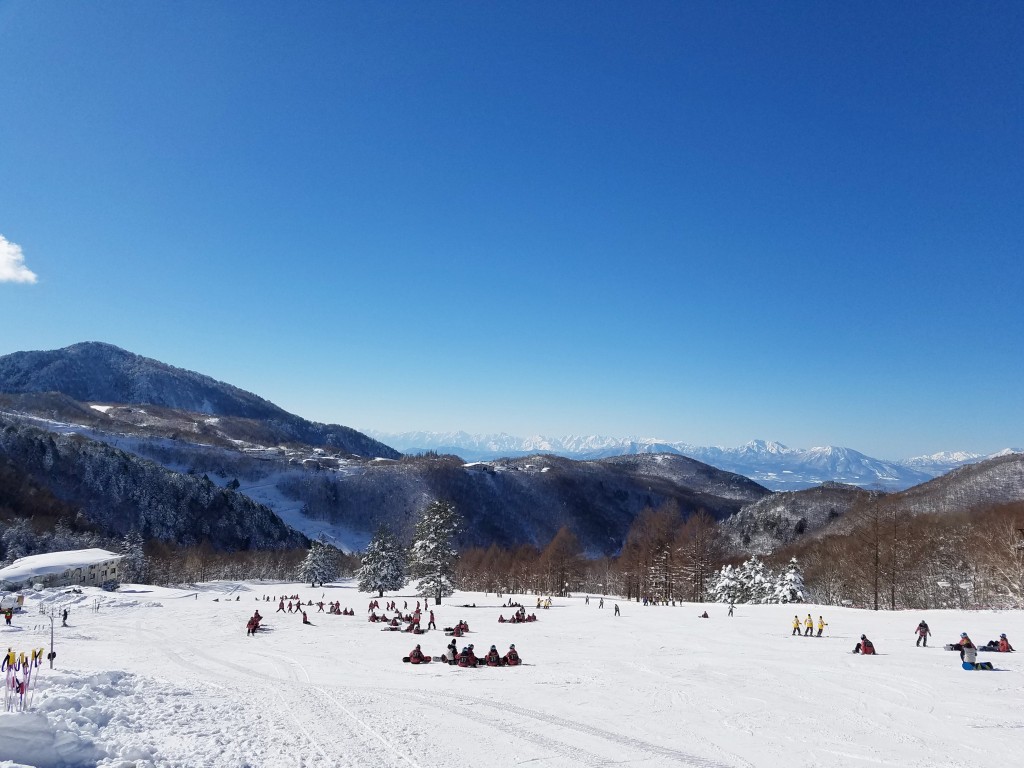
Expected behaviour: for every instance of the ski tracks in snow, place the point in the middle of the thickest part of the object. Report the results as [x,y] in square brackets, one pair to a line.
[312,710]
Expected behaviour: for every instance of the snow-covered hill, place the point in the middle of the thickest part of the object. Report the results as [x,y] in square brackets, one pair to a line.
[771,464]
[160,678]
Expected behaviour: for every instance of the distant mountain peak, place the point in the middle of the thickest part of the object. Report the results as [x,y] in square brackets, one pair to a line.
[771,463]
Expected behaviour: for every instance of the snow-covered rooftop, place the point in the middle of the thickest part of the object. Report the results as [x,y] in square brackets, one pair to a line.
[54,562]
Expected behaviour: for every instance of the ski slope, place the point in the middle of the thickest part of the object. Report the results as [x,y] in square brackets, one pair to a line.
[161,677]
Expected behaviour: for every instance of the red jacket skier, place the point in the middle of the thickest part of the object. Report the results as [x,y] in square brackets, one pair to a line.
[512,657]
[865,647]
[467,658]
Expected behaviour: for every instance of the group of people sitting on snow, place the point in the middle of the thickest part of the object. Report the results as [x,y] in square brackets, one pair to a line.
[335,608]
[517,617]
[468,658]
[458,630]
[253,624]
[412,621]
[969,651]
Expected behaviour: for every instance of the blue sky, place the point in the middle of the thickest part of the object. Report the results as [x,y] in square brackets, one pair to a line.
[708,222]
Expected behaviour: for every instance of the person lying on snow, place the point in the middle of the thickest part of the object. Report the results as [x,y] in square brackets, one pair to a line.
[865,647]
[492,659]
[416,656]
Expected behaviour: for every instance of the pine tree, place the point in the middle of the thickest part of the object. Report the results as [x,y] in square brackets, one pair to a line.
[789,588]
[134,566]
[725,586]
[757,582]
[321,564]
[383,565]
[433,556]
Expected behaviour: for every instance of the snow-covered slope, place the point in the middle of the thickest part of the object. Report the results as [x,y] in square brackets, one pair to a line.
[154,678]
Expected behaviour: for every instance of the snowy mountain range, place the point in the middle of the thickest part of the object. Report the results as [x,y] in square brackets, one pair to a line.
[771,464]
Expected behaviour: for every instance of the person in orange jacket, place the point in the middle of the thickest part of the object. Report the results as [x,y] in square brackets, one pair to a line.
[1004,644]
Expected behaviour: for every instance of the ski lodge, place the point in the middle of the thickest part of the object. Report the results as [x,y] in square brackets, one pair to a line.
[78,567]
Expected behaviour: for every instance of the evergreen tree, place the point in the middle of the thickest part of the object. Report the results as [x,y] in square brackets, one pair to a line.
[725,586]
[383,565]
[134,566]
[321,564]
[789,588]
[756,581]
[433,556]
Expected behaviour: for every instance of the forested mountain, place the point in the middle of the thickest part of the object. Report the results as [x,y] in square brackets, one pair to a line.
[93,372]
[782,518]
[115,492]
[507,502]
[769,523]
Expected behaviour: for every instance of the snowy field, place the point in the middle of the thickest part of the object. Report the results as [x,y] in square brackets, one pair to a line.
[161,677]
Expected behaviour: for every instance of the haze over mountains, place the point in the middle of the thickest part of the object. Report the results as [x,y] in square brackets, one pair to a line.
[771,464]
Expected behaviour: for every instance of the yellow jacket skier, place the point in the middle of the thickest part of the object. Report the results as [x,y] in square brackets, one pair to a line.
[808,626]
[796,625]
[821,625]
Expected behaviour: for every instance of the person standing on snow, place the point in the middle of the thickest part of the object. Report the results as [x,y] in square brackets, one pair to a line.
[821,625]
[431,624]
[617,609]
[732,607]
[64,618]
[796,625]
[808,626]
[922,633]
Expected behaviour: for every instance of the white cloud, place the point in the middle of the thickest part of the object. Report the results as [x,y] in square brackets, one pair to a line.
[12,264]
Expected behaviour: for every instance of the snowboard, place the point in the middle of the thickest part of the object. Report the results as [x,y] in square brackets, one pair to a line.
[978,665]
[425,660]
